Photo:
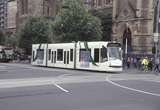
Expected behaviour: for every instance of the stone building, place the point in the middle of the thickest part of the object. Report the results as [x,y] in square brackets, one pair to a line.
[3,14]
[133,25]
[11,16]
[97,4]
[31,8]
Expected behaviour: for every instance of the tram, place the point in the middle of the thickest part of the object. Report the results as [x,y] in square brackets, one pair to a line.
[97,56]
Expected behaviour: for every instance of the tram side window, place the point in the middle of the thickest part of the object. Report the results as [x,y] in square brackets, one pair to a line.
[40,54]
[71,54]
[104,54]
[52,57]
[59,54]
[96,55]
[49,54]
[33,55]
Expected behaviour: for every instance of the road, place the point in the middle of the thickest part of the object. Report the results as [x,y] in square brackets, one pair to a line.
[23,87]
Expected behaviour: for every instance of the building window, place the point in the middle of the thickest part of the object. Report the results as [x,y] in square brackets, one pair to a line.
[46,8]
[108,1]
[99,2]
[48,11]
[24,6]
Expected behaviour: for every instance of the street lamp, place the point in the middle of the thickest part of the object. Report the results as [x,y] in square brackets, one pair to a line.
[156,34]
[156,37]
[126,42]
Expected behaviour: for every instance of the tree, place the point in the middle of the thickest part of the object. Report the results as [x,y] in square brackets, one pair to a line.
[11,41]
[2,38]
[106,19]
[74,23]
[36,30]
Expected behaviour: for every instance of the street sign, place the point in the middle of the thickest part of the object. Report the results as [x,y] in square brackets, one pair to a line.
[156,35]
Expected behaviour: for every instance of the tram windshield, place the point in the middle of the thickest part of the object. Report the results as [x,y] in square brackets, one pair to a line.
[114,52]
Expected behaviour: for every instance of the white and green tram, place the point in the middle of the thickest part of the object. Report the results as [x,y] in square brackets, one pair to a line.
[97,56]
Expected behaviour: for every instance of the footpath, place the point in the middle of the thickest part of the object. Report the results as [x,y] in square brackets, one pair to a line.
[135,74]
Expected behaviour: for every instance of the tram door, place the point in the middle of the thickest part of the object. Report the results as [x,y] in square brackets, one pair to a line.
[53,60]
[66,57]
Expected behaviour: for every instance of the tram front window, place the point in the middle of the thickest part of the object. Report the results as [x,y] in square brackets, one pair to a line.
[114,53]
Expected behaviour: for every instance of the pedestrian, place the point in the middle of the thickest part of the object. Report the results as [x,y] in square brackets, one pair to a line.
[128,62]
[156,67]
[145,63]
[135,62]
[140,63]
[150,65]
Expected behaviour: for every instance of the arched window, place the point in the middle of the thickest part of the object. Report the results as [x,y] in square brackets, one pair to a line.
[127,40]
[24,6]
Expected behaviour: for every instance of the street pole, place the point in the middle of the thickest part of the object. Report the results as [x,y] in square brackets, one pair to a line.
[157,28]
[126,47]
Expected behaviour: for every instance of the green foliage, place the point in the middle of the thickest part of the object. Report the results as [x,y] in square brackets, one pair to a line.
[36,30]
[74,23]
[11,41]
[106,19]
[2,38]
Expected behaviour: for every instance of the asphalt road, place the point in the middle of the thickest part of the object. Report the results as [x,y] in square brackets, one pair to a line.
[12,71]
[62,89]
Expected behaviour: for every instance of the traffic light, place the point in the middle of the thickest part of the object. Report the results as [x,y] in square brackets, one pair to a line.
[154,50]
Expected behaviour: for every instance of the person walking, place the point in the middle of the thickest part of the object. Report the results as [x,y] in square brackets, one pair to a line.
[128,62]
[150,64]
[156,67]
[140,64]
[135,62]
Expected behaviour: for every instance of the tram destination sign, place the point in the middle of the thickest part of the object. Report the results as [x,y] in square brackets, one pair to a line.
[114,45]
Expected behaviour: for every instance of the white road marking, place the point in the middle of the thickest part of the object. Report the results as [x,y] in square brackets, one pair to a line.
[132,89]
[28,82]
[61,87]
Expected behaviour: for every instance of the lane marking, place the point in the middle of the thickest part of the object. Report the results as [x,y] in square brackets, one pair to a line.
[136,79]
[60,87]
[131,89]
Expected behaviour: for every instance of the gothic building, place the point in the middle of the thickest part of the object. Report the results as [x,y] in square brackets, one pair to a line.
[97,4]
[133,25]
[11,16]
[3,14]
[31,8]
